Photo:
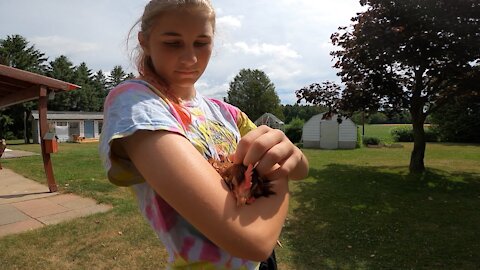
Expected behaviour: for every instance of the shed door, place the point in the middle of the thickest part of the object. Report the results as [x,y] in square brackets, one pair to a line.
[89,130]
[329,135]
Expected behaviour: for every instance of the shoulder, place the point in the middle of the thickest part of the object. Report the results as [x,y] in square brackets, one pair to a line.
[243,123]
[225,107]
[129,91]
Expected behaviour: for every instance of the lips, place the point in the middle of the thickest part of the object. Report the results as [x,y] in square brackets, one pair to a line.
[186,72]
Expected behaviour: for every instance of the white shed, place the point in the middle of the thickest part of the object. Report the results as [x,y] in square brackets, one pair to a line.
[70,126]
[329,133]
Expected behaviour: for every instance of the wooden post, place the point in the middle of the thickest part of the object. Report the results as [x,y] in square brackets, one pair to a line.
[47,162]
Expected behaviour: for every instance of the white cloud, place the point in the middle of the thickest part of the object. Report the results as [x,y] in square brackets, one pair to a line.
[288,39]
[257,49]
[212,90]
[232,22]
[60,45]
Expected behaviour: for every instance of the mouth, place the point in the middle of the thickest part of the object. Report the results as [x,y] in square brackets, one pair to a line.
[186,72]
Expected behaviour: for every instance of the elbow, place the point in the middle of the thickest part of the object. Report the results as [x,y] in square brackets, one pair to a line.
[256,254]
[263,254]
[258,249]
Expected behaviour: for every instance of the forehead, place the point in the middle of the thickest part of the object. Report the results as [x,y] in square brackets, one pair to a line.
[191,21]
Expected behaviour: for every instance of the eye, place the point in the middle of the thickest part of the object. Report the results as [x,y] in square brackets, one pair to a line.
[200,44]
[175,44]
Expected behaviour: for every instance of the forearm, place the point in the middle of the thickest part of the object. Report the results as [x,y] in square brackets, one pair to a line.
[202,198]
[263,220]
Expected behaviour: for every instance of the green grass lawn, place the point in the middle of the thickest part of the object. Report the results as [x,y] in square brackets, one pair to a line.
[358,209]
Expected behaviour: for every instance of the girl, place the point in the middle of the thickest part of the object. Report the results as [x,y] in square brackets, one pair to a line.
[159,132]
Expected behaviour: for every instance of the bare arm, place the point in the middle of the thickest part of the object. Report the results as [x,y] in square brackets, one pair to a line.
[184,179]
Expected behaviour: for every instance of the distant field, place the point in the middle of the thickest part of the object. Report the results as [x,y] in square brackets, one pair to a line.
[383,131]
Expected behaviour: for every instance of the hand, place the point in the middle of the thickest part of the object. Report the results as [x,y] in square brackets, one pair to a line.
[273,153]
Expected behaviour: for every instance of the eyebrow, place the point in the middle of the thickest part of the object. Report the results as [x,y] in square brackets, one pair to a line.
[174,34]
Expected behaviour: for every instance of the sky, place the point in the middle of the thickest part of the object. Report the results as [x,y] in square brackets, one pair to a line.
[288,39]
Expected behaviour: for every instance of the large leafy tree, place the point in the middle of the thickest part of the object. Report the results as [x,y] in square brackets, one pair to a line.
[254,93]
[410,54]
[15,51]
[458,121]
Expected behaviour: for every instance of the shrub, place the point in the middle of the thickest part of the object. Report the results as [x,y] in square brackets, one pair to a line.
[371,140]
[406,135]
[402,134]
[294,129]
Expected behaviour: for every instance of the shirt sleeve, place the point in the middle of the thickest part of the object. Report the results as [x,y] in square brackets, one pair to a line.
[130,107]
[244,123]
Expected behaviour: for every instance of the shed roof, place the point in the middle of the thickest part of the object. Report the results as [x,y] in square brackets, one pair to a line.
[58,115]
[18,86]
[270,117]
[319,117]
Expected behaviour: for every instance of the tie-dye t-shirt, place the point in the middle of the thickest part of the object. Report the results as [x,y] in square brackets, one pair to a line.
[215,129]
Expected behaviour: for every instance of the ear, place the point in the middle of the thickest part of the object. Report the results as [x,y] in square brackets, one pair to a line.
[142,40]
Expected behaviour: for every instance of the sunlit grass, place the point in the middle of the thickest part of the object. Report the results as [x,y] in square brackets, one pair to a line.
[359,209]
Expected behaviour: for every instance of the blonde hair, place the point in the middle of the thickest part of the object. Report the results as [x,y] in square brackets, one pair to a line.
[154,9]
[144,63]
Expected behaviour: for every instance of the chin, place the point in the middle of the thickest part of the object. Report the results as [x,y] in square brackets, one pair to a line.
[185,82]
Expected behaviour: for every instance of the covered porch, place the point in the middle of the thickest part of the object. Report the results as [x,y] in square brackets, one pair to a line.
[18,86]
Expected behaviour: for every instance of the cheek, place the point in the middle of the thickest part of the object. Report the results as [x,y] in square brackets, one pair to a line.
[204,55]
[162,61]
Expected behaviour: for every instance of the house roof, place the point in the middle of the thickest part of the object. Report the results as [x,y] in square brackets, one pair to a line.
[57,115]
[270,117]
[18,86]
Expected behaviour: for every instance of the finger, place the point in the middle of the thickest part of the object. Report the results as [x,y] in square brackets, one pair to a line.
[277,154]
[287,166]
[284,169]
[262,145]
[245,143]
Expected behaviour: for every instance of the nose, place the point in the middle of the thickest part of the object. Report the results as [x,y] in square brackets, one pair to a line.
[188,56]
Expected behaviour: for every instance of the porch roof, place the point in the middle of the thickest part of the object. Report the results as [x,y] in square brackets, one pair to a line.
[18,86]
[58,115]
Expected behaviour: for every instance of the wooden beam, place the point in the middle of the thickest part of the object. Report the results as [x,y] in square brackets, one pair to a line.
[20,96]
[33,78]
[42,112]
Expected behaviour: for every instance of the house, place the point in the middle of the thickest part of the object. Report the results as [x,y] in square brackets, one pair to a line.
[271,121]
[70,126]
[330,133]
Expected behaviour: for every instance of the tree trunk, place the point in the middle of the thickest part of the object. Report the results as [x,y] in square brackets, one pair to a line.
[418,119]
[416,159]
[28,128]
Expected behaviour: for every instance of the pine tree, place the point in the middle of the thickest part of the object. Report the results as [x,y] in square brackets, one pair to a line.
[16,52]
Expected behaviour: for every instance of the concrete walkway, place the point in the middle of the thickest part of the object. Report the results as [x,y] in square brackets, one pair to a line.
[27,205]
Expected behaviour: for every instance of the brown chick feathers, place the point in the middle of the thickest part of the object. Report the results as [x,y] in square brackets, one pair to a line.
[244,181]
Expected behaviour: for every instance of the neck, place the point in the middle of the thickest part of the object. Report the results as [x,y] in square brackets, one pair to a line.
[179,91]
[183,92]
